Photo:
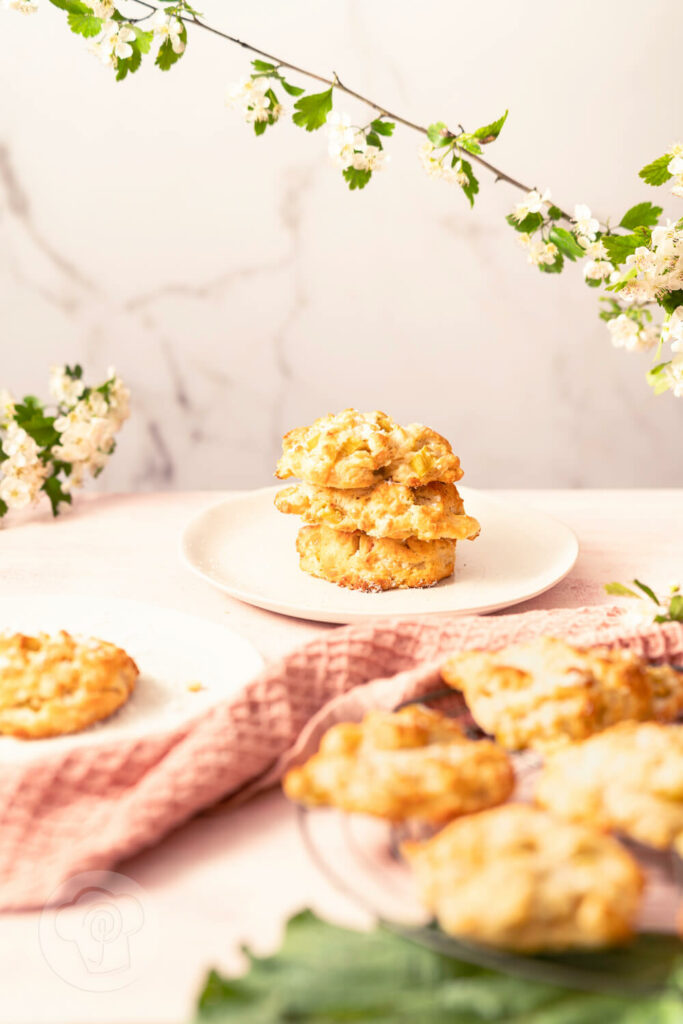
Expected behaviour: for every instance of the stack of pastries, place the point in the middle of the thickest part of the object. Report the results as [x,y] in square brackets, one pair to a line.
[379,501]
[507,868]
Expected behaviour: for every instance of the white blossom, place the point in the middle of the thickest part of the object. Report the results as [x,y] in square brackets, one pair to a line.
[6,407]
[596,250]
[87,430]
[23,6]
[672,331]
[627,333]
[674,375]
[16,492]
[538,252]
[533,202]
[102,8]
[118,38]
[371,158]
[597,270]
[165,27]
[585,224]
[249,95]
[64,389]
[341,138]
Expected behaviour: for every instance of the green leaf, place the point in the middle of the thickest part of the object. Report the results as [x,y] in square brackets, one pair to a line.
[383,127]
[554,213]
[647,590]
[671,300]
[263,65]
[676,608]
[619,590]
[30,415]
[355,178]
[491,131]
[143,39]
[328,975]
[468,143]
[3,508]
[72,6]
[260,127]
[84,24]
[566,243]
[293,90]
[472,186]
[373,139]
[438,134]
[641,214]
[555,267]
[130,65]
[312,110]
[531,222]
[56,494]
[620,246]
[657,172]
[657,379]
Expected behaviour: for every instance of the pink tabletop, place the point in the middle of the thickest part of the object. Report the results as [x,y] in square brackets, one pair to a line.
[231,876]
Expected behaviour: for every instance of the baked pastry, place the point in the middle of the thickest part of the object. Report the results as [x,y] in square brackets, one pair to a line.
[360,562]
[414,763]
[353,449]
[629,778]
[50,685]
[391,510]
[546,692]
[516,878]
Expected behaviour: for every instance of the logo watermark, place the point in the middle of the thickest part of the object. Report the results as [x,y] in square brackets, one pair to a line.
[98,931]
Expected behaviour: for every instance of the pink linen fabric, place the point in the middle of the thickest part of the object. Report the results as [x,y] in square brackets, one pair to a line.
[88,808]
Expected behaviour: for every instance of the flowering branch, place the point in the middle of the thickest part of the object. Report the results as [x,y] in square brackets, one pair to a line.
[652,607]
[638,263]
[49,452]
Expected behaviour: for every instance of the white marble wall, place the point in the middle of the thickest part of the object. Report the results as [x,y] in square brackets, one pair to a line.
[241,289]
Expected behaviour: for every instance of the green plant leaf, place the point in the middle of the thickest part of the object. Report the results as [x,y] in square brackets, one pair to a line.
[263,65]
[57,495]
[472,186]
[356,178]
[144,39]
[641,214]
[468,143]
[566,243]
[130,65]
[260,127]
[554,213]
[619,590]
[647,590]
[620,246]
[531,222]
[293,90]
[657,172]
[657,379]
[3,508]
[373,139]
[72,6]
[491,131]
[311,111]
[555,267]
[438,134]
[383,127]
[671,300]
[676,608]
[84,24]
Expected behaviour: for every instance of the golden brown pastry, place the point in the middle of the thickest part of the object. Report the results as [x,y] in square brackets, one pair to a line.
[432,512]
[414,763]
[546,692]
[629,779]
[360,562]
[515,877]
[354,450]
[51,685]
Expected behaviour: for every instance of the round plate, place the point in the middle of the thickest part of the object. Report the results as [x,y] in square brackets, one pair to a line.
[247,548]
[173,651]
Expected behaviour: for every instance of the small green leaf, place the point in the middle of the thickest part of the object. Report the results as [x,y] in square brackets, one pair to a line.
[491,131]
[529,224]
[566,243]
[311,111]
[554,213]
[56,494]
[641,214]
[356,178]
[657,379]
[438,134]
[293,90]
[647,590]
[655,173]
[72,6]
[130,65]
[619,590]
[671,300]
[263,65]
[260,127]
[472,186]
[620,246]
[676,608]
[3,508]
[84,24]
[468,143]
[143,39]
[383,127]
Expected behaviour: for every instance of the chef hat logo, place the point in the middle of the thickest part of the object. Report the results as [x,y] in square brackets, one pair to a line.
[100,924]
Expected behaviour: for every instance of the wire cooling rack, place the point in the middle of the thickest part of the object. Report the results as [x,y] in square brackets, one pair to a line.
[377,875]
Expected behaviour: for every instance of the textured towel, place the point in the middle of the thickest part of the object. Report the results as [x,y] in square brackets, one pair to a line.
[88,808]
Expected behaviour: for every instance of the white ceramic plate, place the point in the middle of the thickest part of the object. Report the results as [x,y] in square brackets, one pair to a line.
[247,548]
[172,651]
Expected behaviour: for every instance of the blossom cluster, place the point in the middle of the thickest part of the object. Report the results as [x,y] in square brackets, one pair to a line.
[118,40]
[52,452]
[437,164]
[348,146]
[255,98]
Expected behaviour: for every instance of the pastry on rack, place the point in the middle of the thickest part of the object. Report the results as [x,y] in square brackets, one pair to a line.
[360,562]
[410,764]
[379,500]
[628,779]
[50,685]
[546,692]
[432,512]
[516,878]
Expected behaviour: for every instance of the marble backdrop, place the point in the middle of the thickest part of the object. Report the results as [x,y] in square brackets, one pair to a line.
[241,289]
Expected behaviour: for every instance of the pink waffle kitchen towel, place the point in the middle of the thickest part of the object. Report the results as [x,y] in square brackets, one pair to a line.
[88,808]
